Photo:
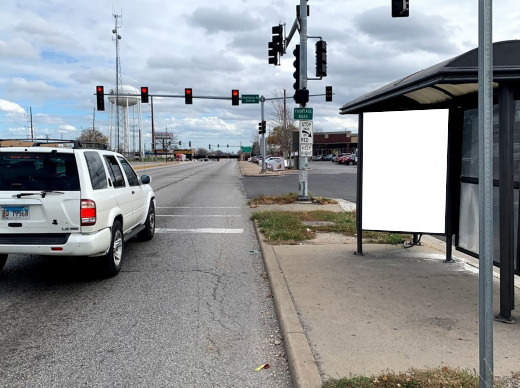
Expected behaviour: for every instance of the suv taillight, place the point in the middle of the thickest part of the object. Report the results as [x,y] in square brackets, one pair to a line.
[88,212]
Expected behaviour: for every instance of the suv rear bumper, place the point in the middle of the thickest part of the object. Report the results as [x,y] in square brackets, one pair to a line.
[77,245]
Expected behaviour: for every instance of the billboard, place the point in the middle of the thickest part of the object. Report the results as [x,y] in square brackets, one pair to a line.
[404,171]
[163,135]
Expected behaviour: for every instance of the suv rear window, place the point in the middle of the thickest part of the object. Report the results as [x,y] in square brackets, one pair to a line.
[38,171]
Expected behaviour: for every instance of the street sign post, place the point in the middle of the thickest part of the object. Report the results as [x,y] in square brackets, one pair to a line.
[250,98]
[303,113]
[306,138]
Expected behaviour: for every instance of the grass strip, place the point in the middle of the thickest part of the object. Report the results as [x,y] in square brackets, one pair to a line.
[287,227]
[440,377]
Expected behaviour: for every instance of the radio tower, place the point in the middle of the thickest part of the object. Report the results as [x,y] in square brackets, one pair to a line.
[119,83]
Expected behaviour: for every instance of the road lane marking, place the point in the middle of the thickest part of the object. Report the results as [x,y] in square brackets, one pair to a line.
[198,207]
[195,215]
[201,230]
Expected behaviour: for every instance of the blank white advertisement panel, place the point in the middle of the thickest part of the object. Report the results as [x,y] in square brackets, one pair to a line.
[404,170]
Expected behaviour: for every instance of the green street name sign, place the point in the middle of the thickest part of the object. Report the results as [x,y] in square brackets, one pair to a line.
[250,98]
[303,113]
[247,149]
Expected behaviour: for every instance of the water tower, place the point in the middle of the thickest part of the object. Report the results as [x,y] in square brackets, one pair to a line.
[130,115]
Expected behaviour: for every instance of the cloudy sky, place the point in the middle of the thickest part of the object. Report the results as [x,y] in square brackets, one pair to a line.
[54,52]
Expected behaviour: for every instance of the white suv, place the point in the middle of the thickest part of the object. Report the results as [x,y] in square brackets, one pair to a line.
[72,201]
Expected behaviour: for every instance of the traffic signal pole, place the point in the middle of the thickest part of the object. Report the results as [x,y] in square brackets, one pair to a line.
[262,101]
[303,176]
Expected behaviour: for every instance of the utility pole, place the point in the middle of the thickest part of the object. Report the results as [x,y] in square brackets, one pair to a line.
[303,176]
[93,118]
[32,129]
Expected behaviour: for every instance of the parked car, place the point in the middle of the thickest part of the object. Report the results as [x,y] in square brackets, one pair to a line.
[339,158]
[317,157]
[349,159]
[72,201]
[327,158]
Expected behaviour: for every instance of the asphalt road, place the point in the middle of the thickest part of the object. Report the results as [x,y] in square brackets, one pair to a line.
[189,309]
[325,180]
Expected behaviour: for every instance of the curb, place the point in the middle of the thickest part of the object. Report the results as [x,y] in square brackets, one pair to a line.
[303,367]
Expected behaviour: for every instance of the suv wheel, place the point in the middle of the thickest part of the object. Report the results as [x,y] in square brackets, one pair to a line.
[350,163]
[113,259]
[3,259]
[149,226]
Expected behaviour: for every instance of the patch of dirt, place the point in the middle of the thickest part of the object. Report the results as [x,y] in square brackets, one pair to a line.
[330,238]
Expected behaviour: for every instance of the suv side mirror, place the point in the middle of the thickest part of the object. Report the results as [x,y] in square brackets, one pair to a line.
[146,179]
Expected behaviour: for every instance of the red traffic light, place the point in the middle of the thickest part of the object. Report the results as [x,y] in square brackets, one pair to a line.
[234,97]
[100,97]
[144,94]
[188,96]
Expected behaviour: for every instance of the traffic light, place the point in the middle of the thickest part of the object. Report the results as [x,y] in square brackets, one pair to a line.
[210,146]
[301,96]
[228,146]
[218,145]
[276,45]
[262,127]
[328,93]
[100,96]
[144,94]
[296,64]
[234,97]
[179,142]
[400,8]
[189,144]
[321,58]
[188,96]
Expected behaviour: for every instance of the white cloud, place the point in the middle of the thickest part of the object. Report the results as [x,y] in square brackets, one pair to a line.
[67,128]
[18,48]
[12,107]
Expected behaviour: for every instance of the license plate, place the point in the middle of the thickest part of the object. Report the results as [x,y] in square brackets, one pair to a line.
[15,212]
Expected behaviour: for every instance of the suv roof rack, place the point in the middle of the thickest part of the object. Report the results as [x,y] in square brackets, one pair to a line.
[52,142]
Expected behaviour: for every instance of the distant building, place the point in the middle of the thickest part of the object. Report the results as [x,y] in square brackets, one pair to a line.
[334,143]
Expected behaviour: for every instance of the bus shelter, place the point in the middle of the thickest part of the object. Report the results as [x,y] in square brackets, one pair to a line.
[450,88]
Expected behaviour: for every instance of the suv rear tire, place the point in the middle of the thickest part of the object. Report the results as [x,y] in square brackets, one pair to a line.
[149,226]
[3,259]
[114,258]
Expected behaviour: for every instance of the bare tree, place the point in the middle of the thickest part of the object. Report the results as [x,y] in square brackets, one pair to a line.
[92,136]
[283,124]
[202,152]
[317,129]
[255,139]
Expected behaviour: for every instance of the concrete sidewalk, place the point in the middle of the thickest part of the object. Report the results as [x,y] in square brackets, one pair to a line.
[393,308]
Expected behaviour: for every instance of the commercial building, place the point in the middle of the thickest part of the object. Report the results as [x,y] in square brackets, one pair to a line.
[334,143]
